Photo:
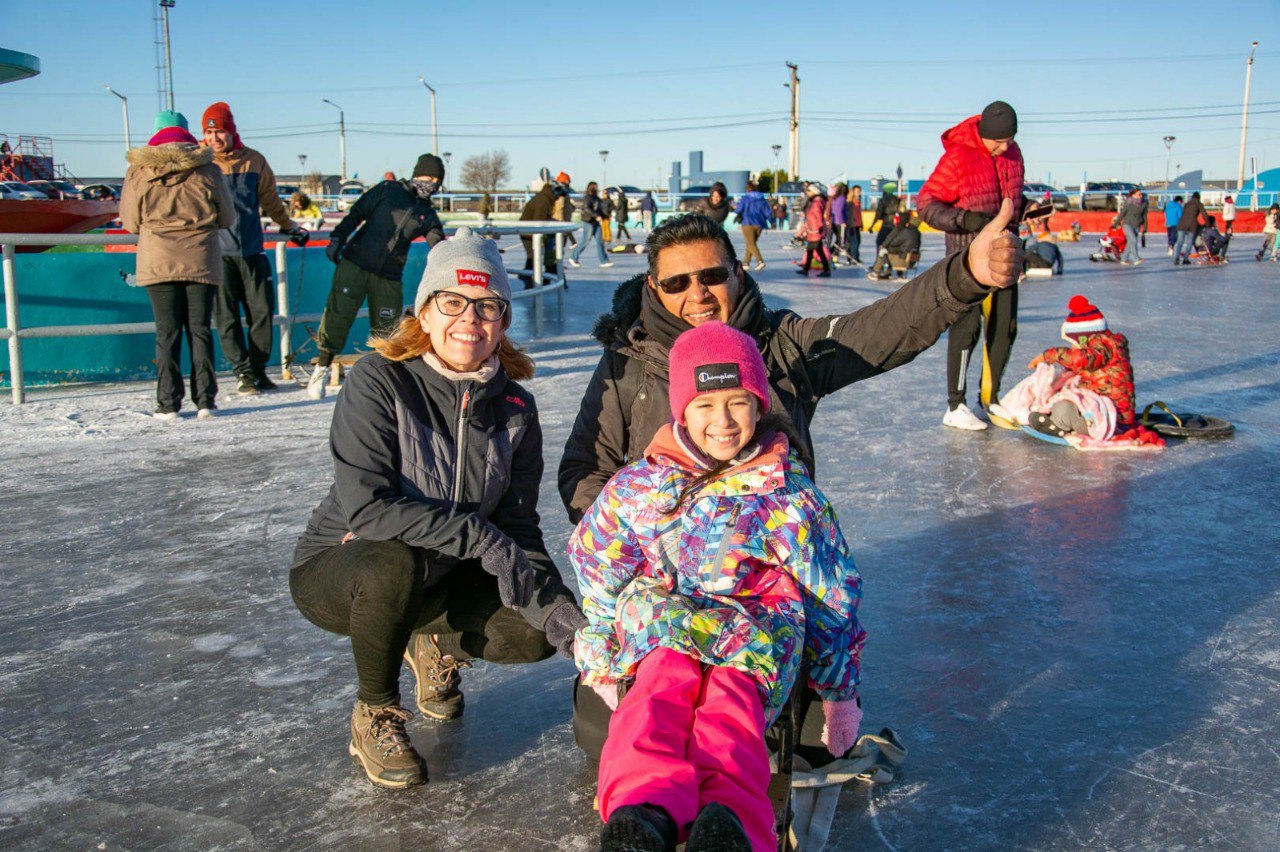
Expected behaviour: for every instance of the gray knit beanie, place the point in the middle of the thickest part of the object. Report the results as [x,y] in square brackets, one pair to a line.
[463,260]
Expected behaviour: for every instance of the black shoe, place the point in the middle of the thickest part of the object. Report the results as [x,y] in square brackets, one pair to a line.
[826,273]
[246,386]
[263,383]
[717,829]
[638,828]
[802,272]
[1042,424]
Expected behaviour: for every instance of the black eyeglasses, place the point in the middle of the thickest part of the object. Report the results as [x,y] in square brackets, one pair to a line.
[455,304]
[708,277]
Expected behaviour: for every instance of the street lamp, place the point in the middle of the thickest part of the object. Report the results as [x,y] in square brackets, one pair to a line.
[124,105]
[777,149]
[342,135]
[604,176]
[1168,146]
[435,140]
[1244,118]
[302,167]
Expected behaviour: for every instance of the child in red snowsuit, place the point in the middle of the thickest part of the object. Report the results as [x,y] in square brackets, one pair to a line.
[814,230]
[1099,356]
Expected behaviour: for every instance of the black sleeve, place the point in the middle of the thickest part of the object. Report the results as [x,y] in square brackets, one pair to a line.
[433,230]
[843,349]
[358,213]
[366,454]
[597,446]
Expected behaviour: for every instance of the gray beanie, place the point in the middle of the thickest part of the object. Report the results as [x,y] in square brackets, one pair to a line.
[464,260]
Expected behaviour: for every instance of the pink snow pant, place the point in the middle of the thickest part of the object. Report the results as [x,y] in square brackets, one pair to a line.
[684,737]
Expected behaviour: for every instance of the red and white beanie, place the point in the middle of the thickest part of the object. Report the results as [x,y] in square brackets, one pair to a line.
[712,357]
[1083,317]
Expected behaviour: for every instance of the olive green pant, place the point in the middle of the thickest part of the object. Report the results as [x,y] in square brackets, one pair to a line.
[351,286]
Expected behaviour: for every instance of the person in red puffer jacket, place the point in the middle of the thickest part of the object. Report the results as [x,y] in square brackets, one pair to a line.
[1099,356]
[982,165]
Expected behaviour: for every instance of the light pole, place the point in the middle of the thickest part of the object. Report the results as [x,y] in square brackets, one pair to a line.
[302,167]
[1168,146]
[124,105]
[777,149]
[165,6]
[342,135]
[435,140]
[604,177]
[1244,118]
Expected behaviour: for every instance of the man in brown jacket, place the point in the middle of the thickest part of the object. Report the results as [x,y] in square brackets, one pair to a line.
[175,199]
[695,277]
[247,281]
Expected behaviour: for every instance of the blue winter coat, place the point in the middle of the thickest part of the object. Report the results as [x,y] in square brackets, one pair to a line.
[752,209]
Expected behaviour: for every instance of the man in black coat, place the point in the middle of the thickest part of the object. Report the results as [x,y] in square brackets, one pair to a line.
[540,208]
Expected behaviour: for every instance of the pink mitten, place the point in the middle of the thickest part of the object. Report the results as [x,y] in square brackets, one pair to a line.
[841,729]
[609,694]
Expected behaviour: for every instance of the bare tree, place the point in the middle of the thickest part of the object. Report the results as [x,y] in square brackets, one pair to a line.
[313,184]
[486,172]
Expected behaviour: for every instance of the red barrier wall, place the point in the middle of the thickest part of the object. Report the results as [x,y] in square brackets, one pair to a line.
[1099,221]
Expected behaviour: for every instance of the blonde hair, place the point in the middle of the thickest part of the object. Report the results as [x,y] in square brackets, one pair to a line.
[407,341]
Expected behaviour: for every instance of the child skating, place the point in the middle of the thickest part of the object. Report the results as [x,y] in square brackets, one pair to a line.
[710,569]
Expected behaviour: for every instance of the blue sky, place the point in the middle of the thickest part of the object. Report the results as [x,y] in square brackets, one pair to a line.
[1097,85]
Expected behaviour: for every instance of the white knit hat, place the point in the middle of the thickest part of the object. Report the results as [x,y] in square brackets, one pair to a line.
[464,260]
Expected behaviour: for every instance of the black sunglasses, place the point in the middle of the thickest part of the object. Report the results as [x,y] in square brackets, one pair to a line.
[455,305]
[709,277]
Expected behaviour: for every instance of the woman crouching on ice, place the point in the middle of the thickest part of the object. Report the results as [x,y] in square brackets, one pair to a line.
[707,569]
[428,546]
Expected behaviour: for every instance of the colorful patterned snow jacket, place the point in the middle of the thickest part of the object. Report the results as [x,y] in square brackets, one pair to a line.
[752,573]
[969,178]
[1102,363]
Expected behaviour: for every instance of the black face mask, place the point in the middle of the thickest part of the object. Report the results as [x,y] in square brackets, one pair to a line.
[425,190]
[559,190]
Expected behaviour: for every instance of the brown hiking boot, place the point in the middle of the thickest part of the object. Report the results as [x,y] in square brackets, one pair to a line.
[439,690]
[380,743]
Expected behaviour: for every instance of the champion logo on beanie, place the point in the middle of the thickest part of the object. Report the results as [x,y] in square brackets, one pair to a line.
[472,278]
[712,357]
[1083,317]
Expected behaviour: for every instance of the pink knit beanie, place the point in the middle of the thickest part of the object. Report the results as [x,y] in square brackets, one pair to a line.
[166,135]
[714,357]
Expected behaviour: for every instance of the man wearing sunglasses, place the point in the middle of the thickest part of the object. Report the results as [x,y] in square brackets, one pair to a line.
[695,277]
[370,246]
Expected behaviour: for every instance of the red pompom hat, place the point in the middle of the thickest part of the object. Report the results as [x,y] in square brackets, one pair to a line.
[712,357]
[1083,317]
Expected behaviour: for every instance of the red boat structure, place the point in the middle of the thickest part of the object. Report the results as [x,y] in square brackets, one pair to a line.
[31,158]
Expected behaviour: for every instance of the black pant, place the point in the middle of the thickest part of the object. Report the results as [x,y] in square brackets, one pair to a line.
[855,242]
[381,592]
[621,229]
[548,254]
[247,283]
[1001,331]
[813,247]
[179,308]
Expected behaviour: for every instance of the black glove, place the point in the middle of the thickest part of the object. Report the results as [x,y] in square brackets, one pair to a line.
[298,236]
[971,221]
[563,625]
[503,558]
[333,250]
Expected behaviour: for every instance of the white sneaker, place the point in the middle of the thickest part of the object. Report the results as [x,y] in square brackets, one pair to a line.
[606,264]
[166,416]
[206,413]
[573,263]
[961,417]
[316,384]
[759,265]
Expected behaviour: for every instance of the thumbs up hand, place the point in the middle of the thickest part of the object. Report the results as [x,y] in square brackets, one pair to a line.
[995,256]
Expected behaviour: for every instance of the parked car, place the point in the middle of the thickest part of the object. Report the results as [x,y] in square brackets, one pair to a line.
[1035,192]
[349,193]
[19,191]
[99,192]
[55,188]
[634,195]
[1105,195]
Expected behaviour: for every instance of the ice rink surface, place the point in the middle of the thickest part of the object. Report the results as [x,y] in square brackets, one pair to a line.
[1081,650]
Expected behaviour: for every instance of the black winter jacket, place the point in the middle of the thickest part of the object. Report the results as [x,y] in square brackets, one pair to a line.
[591,209]
[903,239]
[436,463]
[1193,215]
[392,216]
[886,209]
[626,401]
[715,212]
[539,208]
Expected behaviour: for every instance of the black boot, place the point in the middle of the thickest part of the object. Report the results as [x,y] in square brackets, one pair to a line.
[1042,423]
[638,828]
[717,829]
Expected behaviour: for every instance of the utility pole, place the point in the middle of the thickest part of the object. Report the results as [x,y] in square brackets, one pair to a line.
[1244,118]
[435,140]
[165,6]
[794,86]
[342,135]
[124,103]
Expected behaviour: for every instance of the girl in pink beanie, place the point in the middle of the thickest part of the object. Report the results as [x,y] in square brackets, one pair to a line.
[710,569]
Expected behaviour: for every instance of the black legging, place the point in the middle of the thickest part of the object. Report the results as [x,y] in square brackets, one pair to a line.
[381,592]
[1001,331]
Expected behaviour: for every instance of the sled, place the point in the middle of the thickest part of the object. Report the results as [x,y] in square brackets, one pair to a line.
[1048,439]
[1183,424]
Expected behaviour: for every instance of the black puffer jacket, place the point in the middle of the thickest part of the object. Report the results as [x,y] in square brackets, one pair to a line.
[436,463]
[715,212]
[807,358]
[392,216]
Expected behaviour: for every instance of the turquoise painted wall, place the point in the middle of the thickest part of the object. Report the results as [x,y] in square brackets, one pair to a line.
[88,288]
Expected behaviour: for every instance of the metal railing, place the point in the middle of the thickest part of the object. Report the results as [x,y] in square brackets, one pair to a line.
[543,284]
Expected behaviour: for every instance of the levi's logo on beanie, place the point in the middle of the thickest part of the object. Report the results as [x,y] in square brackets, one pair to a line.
[711,377]
[472,278]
